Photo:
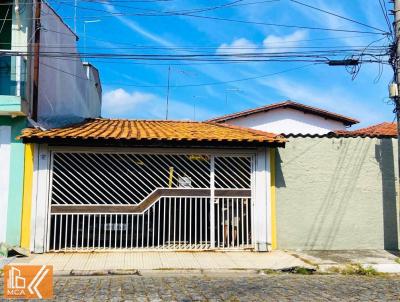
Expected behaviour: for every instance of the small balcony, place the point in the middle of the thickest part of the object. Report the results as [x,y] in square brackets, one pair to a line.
[12,84]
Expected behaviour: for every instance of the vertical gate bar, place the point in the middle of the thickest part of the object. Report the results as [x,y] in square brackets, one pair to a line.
[229,220]
[126,230]
[184,225]
[237,222]
[163,241]
[223,223]
[83,230]
[105,232]
[195,222]
[131,230]
[201,220]
[77,231]
[233,222]
[242,220]
[120,231]
[110,232]
[218,224]
[59,238]
[143,228]
[190,223]
[169,220]
[154,219]
[72,231]
[180,224]
[66,232]
[206,204]
[115,231]
[94,230]
[88,233]
[99,233]
[247,222]
[137,230]
[174,222]
[54,231]
[158,223]
[148,227]
[212,201]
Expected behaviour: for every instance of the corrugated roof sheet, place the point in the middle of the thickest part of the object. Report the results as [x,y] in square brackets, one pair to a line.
[288,104]
[146,130]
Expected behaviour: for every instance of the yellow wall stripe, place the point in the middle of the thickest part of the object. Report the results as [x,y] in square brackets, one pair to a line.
[27,197]
[274,243]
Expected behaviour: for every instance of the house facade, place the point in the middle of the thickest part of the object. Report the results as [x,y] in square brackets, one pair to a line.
[145,185]
[67,91]
[334,189]
[288,118]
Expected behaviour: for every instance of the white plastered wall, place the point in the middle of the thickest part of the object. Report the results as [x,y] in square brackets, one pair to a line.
[286,120]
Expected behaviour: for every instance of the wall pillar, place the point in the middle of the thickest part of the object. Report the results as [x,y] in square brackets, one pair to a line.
[262,200]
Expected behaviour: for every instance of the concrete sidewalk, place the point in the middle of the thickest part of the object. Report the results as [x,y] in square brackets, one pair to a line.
[381,260]
[64,263]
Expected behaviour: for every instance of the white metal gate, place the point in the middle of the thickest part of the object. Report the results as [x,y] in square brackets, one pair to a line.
[121,200]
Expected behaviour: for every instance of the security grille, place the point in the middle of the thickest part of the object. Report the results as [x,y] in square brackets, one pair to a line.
[102,201]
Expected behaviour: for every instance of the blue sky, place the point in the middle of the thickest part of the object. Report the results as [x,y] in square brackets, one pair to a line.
[331,88]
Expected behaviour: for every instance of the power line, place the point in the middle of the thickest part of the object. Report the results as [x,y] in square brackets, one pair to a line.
[119,14]
[385,15]
[336,15]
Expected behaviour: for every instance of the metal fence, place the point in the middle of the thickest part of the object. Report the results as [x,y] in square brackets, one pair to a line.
[102,201]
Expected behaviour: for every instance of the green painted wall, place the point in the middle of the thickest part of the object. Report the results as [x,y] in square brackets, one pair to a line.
[16,179]
[335,194]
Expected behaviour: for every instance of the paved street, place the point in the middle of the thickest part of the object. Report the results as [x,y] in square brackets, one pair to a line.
[234,287]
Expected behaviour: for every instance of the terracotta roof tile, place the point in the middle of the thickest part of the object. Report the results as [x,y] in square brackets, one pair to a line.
[145,130]
[386,129]
[288,104]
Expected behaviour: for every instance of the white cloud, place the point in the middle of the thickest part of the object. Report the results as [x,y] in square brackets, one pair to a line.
[238,46]
[119,103]
[135,27]
[273,43]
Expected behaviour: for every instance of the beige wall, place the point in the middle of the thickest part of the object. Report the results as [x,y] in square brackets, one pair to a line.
[337,193]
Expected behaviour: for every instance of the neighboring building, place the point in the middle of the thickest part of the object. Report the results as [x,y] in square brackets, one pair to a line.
[288,117]
[145,185]
[68,92]
[338,191]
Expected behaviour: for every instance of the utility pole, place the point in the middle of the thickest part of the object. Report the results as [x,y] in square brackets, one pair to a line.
[396,98]
[36,55]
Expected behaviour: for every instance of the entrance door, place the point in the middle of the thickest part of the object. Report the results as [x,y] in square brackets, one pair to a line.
[102,201]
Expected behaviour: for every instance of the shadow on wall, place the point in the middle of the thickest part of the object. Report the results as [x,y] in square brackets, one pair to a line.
[279,178]
[385,157]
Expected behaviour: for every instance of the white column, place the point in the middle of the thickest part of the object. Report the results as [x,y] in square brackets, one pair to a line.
[41,199]
[262,209]
[5,157]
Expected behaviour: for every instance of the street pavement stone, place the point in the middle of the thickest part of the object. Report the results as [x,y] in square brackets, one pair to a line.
[226,287]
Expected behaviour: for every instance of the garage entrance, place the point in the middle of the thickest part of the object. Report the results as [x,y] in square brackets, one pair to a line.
[150,200]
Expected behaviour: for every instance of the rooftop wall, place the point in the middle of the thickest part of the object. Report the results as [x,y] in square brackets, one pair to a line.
[66,93]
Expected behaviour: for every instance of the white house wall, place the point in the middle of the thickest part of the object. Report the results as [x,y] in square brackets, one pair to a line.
[285,120]
[66,94]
